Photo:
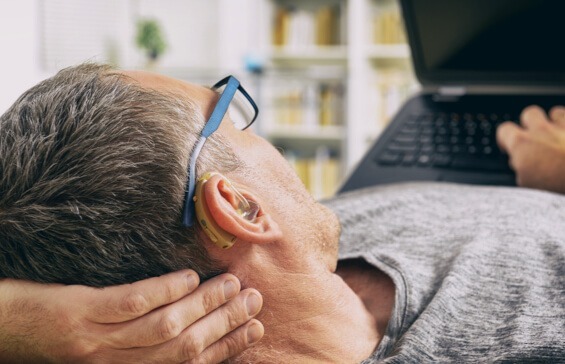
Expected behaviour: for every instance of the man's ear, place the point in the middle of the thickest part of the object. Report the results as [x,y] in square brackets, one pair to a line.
[222,200]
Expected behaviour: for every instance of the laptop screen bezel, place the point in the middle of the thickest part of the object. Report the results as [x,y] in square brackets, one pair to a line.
[429,77]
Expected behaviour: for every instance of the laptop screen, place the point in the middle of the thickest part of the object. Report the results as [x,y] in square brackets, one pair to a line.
[487,41]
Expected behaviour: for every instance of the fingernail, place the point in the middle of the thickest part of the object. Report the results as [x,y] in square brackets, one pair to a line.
[230,289]
[191,281]
[254,333]
[253,303]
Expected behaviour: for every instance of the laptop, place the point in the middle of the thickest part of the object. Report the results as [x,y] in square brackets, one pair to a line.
[480,62]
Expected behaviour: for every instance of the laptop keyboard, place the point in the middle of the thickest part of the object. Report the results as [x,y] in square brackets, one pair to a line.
[463,141]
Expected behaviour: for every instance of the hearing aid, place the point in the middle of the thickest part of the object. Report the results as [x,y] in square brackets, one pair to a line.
[245,208]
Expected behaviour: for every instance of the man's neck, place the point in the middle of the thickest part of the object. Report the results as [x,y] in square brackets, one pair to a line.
[315,316]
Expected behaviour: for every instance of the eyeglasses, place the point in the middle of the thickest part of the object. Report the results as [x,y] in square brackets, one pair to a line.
[242,111]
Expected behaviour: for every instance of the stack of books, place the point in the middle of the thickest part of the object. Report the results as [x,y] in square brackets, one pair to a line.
[320,174]
[309,104]
[298,27]
[388,27]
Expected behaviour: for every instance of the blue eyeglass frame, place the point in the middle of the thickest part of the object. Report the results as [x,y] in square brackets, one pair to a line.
[213,123]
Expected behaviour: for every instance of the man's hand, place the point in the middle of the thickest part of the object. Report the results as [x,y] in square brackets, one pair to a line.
[537,149]
[167,319]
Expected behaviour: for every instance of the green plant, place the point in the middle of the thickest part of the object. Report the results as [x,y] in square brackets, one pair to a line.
[150,38]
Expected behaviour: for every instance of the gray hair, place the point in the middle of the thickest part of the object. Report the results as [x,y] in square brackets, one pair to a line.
[93,170]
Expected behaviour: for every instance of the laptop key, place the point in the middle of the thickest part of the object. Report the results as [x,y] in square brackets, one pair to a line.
[408,159]
[425,139]
[395,147]
[409,129]
[427,130]
[424,160]
[442,160]
[389,159]
[427,148]
[442,148]
[406,138]
[440,139]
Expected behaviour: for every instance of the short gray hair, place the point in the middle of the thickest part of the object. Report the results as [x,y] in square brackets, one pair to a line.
[93,170]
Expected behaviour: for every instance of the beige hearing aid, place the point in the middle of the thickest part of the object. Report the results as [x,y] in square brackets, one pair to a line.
[246,208]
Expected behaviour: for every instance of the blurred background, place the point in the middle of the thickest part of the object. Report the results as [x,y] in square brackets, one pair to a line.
[327,74]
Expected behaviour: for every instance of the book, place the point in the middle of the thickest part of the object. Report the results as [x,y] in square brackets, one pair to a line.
[295,27]
[319,173]
[309,103]
[388,27]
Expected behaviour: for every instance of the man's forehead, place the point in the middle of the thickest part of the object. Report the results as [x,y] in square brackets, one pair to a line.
[203,96]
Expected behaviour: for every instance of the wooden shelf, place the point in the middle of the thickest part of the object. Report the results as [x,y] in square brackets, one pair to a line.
[388,51]
[309,55]
[366,70]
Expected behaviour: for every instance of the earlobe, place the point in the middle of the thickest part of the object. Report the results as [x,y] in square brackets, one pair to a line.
[224,206]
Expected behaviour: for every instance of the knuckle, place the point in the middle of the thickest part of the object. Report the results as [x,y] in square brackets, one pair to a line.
[80,352]
[518,139]
[169,327]
[198,360]
[544,126]
[135,303]
[227,347]
[193,346]
[209,300]
[232,345]
[234,316]
[170,291]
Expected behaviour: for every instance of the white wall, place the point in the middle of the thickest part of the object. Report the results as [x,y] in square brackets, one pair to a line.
[204,36]
[190,29]
[19,41]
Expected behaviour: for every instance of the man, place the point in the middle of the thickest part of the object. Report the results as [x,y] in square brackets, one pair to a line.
[76,323]
[451,280]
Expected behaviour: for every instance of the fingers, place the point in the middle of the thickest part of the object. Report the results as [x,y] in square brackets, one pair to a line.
[534,117]
[213,336]
[129,301]
[509,135]
[168,322]
[232,344]
[557,115]
[224,320]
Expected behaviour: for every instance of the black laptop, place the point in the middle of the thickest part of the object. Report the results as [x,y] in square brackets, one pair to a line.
[480,62]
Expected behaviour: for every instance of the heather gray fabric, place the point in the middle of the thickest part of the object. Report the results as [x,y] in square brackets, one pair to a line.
[479,271]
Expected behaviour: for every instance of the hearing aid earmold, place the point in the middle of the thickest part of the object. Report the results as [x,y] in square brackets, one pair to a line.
[246,208]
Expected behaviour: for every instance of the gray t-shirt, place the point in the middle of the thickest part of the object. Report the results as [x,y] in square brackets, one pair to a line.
[479,271]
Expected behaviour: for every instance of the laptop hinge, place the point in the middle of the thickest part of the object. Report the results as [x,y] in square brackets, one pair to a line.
[449,93]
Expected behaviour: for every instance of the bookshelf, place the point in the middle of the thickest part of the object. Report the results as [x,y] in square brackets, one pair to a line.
[333,72]
[326,74]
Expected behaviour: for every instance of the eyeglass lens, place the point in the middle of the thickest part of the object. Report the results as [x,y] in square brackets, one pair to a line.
[240,111]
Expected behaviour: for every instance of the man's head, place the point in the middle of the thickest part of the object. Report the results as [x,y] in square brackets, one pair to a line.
[93,172]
